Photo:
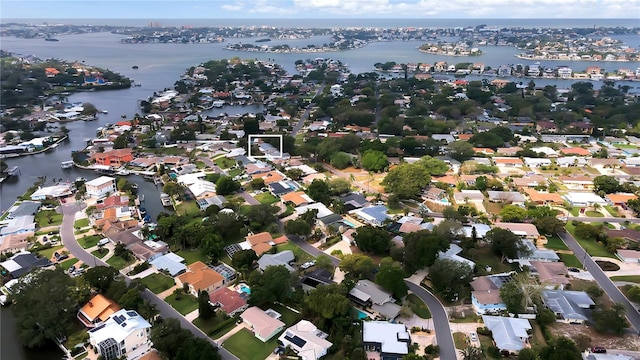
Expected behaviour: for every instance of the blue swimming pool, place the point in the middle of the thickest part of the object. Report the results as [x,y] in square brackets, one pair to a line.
[361,315]
[349,223]
[245,289]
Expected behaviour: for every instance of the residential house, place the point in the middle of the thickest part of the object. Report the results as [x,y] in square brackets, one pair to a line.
[15,242]
[353,201]
[581,182]
[306,340]
[619,199]
[316,278]
[529,181]
[22,263]
[202,188]
[627,234]
[582,127]
[101,186]
[524,230]
[125,333]
[370,295]
[468,196]
[281,188]
[52,192]
[570,161]
[115,158]
[553,275]
[537,162]
[229,301]
[571,307]
[170,263]
[508,162]
[283,258]
[480,229]
[25,208]
[208,200]
[452,254]
[19,225]
[631,161]
[323,210]
[263,324]
[533,253]
[435,194]
[443,137]
[509,334]
[373,215]
[628,256]
[578,151]
[260,242]
[485,294]
[545,150]
[544,198]
[385,340]
[508,197]
[97,310]
[199,276]
[584,199]
[297,198]
[546,127]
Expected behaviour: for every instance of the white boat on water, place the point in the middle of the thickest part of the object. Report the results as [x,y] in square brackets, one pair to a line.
[105,111]
[66,164]
[165,199]
[3,300]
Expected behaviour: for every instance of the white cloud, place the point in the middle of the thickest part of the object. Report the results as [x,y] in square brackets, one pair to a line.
[231,7]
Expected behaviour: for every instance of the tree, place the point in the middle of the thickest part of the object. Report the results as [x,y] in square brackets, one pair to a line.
[212,246]
[527,354]
[205,309]
[471,352]
[374,160]
[605,184]
[172,188]
[434,166]
[546,317]
[297,227]
[101,277]
[449,277]
[328,301]
[391,277]
[319,191]
[560,348]
[226,185]
[43,308]
[244,258]
[512,213]
[340,160]
[256,184]
[421,249]
[461,150]
[406,180]
[610,319]
[372,239]
[512,296]
[197,349]
[505,243]
[356,265]
[261,215]
[339,186]
[274,284]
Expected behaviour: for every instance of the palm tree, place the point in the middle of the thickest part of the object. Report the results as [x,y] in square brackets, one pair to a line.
[471,353]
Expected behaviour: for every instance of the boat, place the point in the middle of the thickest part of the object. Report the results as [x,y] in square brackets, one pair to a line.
[165,199]
[137,84]
[105,111]
[135,67]
[54,146]
[80,179]
[50,39]
[3,300]
[140,197]
[13,171]
[218,103]
[66,164]
[143,212]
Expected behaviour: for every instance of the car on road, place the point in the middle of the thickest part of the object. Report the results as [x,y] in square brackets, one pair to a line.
[474,336]
[598,350]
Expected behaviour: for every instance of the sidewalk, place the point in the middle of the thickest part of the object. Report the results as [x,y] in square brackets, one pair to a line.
[232,332]
[169,291]
[192,315]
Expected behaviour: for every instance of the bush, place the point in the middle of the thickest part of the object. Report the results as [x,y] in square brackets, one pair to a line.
[483,331]
[432,350]
[140,268]
[494,352]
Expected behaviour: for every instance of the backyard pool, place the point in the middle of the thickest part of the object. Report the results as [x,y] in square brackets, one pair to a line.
[349,223]
[245,289]
[362,315]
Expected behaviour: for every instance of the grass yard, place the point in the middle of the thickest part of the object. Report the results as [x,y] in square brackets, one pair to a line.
[485,343]
[613,210]
[245,346]
[301,255]
[593,247]
[570,260]
[483,256]
[289,211]
[234,172]
[78,335]
[157,282]
[288,317]
[492,208]
[418,306]
[266,198]
[191,256]
[188,208]
[592,213]
[89,241]
[209,326]
[460,339]
[224,162]
[65,265]
[185,305]
[120,263]
[48,218]
[80,223]
[555,243]
[538,337]
[575,211]
[100,253]
[48,253]
[627,278]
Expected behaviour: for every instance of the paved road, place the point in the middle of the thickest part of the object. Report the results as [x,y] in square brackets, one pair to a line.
[306,113]
[165,310]
[440,321]
[599,276]
[311,250]
[603,219]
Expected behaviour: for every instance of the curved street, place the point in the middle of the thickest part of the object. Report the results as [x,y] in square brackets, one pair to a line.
[601,278]
[165,310]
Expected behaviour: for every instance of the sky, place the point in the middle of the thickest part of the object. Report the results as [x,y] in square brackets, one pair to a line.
[314,9]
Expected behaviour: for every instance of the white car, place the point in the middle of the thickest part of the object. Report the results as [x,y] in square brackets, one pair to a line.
[474,336]
[308,264]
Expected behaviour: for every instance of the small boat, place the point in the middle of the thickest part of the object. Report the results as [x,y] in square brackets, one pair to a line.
[66,164]
[143,212]
[50,39]
[165,199]
[105,111]
[13,171]
[54,146]
[3,300]
[137,84]
[135,67]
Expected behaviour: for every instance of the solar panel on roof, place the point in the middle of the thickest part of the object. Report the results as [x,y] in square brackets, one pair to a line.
[132,313]
[119,319]
[124,324]
[295,340]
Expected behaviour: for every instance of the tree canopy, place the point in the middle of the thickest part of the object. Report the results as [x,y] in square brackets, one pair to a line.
[328,301]
[391,277]
[274,284]
[356,265]
[505,243]
[374,160]
[449,277]
[421,249]
[372,239]
[406,180]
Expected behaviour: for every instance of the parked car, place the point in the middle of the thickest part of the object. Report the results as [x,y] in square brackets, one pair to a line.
[474,336]
[308,264]
[598,350]
[572,269]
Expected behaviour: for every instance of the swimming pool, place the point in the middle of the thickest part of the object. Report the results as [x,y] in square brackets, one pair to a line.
[362,315]
[245,289]
[349,223]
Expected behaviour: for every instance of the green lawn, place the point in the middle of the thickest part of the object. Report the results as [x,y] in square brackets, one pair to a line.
[613,210]
[100,253]
[191,256]
[627,278]
[65,265]
[120,263]
[591,213]
[48,253]
[89,241]
[593,247]
[234,172]
[570,260]
[76,336]
[185,305]
[288,317]
[80,223]
[48,218]
[460,340]
[266,198]
[157,282]
[483,256]
[301,255]
[188,208]
[289,211]
[224,162]
[418,306]
[575,211]
[555,243]
[245,346]
[208,326]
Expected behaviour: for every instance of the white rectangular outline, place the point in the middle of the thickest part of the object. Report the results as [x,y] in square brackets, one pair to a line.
[250,142]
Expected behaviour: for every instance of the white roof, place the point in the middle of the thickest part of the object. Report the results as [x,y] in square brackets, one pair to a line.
[190,179]
[313,341]
[584,197]
[545,150]
[100,181]
[507,332]
[201,187]
[322,209]
[387,335]
[53,191]
[119,326]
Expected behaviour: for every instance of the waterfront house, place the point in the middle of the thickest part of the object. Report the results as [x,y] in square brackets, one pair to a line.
[125,333]
[52,192]
[385,340]
[229,301]
[509,334]
[23,209]
[370,295]
[97,310]
[211,199]
[115,158]
[263,324]
[572,307]
[200,276]
[306,340]
[101,187]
